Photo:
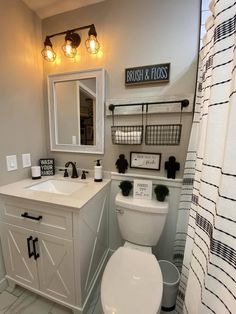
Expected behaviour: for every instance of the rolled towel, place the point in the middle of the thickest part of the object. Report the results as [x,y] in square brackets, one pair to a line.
[131,137]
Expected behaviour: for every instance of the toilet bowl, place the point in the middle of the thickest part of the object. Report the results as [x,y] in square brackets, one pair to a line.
[132,283]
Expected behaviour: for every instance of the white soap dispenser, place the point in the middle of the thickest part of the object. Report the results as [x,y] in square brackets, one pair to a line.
[98,171]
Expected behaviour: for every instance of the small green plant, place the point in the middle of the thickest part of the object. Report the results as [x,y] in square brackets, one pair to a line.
[126,186]
[161,192]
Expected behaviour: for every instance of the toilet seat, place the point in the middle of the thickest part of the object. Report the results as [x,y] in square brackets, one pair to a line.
[132,283]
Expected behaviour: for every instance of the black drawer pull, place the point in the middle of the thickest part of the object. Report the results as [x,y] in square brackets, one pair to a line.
[30,254]
[36,255]
[26,215]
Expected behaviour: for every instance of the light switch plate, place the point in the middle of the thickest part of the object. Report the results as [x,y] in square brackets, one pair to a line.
[11,162]
[73,139]
[26,160]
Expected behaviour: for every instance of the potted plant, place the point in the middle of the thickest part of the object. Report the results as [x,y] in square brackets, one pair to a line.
[161,192]
[126,186]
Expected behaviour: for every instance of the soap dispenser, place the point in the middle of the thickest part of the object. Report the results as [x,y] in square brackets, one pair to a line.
[98,171]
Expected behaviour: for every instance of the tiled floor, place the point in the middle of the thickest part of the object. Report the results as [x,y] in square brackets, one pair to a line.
[21,301]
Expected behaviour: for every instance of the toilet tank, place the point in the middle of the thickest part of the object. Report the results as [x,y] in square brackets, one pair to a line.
[140,221]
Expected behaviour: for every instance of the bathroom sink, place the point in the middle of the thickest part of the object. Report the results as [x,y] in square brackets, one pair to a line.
[57,186]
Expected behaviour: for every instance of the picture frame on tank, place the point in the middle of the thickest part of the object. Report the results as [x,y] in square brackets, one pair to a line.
[149,161]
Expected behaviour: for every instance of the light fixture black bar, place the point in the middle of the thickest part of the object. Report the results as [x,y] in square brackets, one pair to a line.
[71,30]
[184,103]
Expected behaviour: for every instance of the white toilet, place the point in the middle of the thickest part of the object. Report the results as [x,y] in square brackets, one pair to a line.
[132,280]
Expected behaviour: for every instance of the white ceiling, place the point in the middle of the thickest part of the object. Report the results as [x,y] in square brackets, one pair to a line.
[46,8]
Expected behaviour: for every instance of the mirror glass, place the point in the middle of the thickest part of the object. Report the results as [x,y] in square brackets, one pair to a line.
[76,104]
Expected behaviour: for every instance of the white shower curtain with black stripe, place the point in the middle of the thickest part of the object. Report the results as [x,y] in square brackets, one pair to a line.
[208,277]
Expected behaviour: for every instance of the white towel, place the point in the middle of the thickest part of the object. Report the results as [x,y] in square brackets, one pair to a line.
[132,137]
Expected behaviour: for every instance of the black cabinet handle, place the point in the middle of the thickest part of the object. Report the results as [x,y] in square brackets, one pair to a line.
[26,215]
[30,254]
[36,255]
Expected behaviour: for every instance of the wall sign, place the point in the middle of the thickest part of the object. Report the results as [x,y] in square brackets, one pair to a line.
[151,161]
[47,166]
[147,74]
[143,189]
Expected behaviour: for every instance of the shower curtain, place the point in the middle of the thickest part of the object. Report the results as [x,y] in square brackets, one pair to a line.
[207,211]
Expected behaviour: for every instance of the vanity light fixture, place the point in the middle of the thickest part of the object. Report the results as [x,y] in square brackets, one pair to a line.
[48,53]
[92,43]
[72,42]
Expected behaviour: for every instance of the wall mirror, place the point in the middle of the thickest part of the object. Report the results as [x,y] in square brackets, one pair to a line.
[76,111]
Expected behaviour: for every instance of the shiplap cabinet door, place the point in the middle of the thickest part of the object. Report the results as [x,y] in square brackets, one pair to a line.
[56,267]
[19,265]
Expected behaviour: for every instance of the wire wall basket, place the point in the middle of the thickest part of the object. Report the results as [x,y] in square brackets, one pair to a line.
[163,134]
[127,134]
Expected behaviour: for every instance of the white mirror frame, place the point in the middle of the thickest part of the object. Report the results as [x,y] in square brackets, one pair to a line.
[99,74]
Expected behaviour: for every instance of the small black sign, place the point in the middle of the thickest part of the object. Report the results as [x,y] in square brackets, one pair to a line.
[47,166]
[147,74]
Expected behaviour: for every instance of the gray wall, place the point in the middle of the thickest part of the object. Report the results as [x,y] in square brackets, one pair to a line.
[133,33]
[21,105]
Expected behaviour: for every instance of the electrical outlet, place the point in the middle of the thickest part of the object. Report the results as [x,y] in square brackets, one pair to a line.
[11,163]
[26,160]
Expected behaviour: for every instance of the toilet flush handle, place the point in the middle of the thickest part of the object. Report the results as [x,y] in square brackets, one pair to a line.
[119,211]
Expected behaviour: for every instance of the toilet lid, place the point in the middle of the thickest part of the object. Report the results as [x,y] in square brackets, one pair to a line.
[132,283]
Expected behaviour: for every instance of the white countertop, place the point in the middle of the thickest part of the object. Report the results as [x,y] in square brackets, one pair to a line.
[75,200]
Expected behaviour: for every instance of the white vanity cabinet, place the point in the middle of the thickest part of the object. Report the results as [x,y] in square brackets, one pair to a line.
[39,261]
[55,251]
[33,255]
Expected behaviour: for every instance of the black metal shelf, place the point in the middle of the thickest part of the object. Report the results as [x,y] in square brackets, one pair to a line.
[184,103]
[164,134]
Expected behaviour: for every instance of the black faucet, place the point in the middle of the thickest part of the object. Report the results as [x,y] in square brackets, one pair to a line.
[83,176]
[74,171]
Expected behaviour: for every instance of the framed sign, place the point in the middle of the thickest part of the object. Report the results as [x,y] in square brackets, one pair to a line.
[147,74]
[47,166]
[143,189]
[151,161]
